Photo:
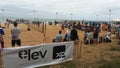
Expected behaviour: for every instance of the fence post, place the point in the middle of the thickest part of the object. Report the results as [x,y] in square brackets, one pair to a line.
[80,49]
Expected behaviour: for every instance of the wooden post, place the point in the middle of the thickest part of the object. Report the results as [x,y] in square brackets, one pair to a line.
[44,31]
[43,27]
[80,49]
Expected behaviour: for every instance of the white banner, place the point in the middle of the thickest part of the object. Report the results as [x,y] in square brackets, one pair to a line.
[37,55]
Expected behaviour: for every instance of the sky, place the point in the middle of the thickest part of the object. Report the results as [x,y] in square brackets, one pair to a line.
[65,9]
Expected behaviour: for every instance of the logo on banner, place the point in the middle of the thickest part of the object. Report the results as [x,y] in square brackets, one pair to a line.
[58,52]
[30,55]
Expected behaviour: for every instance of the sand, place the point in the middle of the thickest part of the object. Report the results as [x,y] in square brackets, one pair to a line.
[89,53]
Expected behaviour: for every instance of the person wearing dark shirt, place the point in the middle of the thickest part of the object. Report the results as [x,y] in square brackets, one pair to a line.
[74,34]
[96,34]
[1,31]
[1,34]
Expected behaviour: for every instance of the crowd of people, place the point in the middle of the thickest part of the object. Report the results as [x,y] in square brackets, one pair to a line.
[94,37]
[71,35]
[91,36]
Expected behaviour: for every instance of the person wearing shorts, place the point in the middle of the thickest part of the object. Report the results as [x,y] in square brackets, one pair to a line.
[15,32]
[1,34]
[96,34]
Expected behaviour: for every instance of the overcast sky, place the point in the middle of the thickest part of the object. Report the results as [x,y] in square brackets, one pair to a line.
[80,9]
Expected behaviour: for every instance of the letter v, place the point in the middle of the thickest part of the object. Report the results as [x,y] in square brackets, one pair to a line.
[43,55]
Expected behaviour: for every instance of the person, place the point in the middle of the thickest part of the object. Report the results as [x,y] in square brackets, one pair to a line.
[1,41]
[99,25]
[96,34]
[15,32]
[38,23]
[7,23]
[108,36]
[118,32]
[86,36]
[1,36]
[67,36]
[63,26]
[74,34]
[59,37]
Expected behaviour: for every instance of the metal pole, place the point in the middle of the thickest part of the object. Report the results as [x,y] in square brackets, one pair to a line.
[2,15]
[80,49]
[71,15]
[34,14]
[109,16]
[56,15]
[43,27]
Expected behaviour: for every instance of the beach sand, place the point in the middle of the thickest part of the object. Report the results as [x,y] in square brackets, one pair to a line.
[89,53]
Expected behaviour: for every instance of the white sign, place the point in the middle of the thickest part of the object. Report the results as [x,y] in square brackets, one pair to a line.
[37,55]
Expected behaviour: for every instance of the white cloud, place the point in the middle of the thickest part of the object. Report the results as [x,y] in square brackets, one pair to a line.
[87,9]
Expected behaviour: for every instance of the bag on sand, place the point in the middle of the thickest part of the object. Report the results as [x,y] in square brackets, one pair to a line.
[108,40]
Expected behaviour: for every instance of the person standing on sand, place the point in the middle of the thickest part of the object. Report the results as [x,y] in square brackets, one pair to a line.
[1,42]
[96,33]
[15,32]
[74,34]
[1,37]
[7,23]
